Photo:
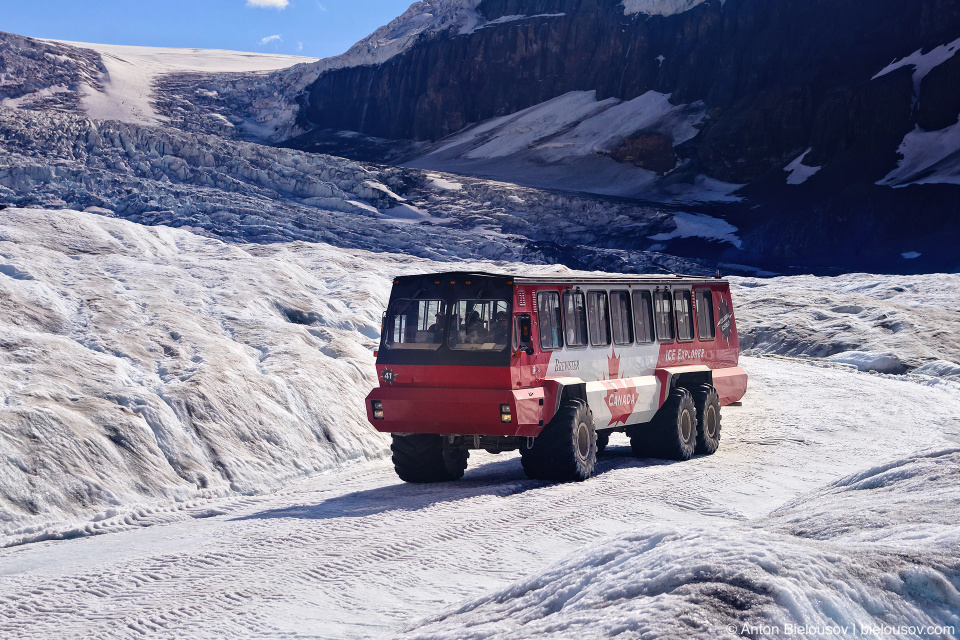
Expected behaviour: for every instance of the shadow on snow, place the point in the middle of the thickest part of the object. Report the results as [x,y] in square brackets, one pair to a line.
[499,479]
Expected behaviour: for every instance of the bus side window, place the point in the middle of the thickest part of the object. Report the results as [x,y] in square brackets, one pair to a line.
[548,312]
[706,326]
[575,318]
[663,312]
[684,315]
[620,317]
[643,317]
[398,333]
[599,317]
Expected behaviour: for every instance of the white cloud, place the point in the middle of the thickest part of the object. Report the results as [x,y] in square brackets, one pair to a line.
[299,47]
[274,38]
[268,4]
[321,7]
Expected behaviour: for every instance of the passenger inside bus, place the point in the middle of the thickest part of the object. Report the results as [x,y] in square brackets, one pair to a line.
[476,333]
[479,324]
[501,329]
[437,328]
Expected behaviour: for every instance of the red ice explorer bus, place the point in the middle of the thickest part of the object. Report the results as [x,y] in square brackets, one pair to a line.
[552,365]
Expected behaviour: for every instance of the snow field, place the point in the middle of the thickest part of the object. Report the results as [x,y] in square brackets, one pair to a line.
[824,575]
[143,364]
[355,553]
[798,173]
[888,324]
[148,370]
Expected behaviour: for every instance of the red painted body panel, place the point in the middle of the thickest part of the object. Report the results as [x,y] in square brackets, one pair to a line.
[457,411]
[730,383]
[442,377]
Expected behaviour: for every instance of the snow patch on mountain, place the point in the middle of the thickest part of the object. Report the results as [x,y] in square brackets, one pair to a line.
[466,30]
[695,225]
[659,7]
[603,131]
[929,157]
[168,59]
[566,143]
[798,173]
[574,124]
[922,63]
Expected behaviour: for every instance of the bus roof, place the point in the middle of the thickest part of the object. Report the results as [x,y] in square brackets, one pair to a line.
[560,279]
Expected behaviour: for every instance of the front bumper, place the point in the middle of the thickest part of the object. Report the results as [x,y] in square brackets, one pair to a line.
[457,411]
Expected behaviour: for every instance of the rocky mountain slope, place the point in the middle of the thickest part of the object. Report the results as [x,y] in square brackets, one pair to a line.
[834,121]
[44,76]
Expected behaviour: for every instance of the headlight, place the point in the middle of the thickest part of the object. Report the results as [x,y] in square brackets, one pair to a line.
[377,407]
[505,413]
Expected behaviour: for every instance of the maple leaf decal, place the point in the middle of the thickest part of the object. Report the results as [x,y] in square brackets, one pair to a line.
[613,365]
[621,395]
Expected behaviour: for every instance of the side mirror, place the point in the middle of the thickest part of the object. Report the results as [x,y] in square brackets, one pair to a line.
[525,334]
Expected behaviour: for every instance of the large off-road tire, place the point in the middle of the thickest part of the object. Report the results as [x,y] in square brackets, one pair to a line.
[707,401]
[423,457]
[566,449]
[603,439]
[672,434]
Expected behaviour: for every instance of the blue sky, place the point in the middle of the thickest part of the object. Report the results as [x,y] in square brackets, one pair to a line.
[305,27]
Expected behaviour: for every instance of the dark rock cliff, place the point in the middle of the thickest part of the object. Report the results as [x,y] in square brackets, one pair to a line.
[780,75]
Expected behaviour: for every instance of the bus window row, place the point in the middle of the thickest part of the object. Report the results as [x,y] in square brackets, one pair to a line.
[599,318]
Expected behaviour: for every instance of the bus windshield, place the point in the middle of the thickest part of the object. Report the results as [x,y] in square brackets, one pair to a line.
[479,325]
[416,324]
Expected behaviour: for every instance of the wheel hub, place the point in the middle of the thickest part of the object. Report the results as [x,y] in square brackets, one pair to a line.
[583,441]
[710,422]
[686,426]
